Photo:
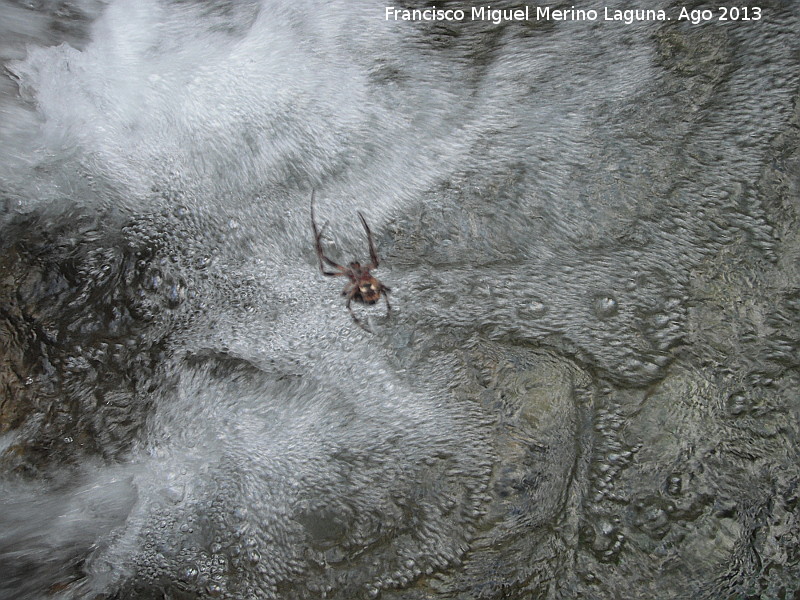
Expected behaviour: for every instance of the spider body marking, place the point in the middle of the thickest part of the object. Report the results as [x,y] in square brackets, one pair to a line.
[362,287]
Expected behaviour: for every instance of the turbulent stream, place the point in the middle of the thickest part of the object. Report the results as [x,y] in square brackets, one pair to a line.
[587,386]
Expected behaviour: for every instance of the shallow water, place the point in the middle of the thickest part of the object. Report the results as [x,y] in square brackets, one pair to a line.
[587,385]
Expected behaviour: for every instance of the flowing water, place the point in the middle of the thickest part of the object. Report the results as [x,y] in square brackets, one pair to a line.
[587,386]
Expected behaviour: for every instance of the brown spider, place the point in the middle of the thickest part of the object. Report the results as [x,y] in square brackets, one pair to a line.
[363,287]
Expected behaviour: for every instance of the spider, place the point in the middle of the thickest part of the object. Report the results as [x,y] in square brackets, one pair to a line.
[363,287]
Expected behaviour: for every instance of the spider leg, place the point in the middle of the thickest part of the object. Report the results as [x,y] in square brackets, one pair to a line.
[385,291]
[318,245]
[322,270]
[356,320]
[322,256]
[373,255]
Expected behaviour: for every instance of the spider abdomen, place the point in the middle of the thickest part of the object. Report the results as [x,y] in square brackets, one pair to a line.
[369,289]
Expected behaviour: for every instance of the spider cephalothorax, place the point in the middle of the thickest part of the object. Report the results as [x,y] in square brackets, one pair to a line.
[363,286]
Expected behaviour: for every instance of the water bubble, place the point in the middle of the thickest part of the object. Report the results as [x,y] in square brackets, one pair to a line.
[191,573]
[605,306]
[203,262]
[176,295]
[651,516]
[153,280]
[674,484]
[738,404]
[173,493]
[536,308]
